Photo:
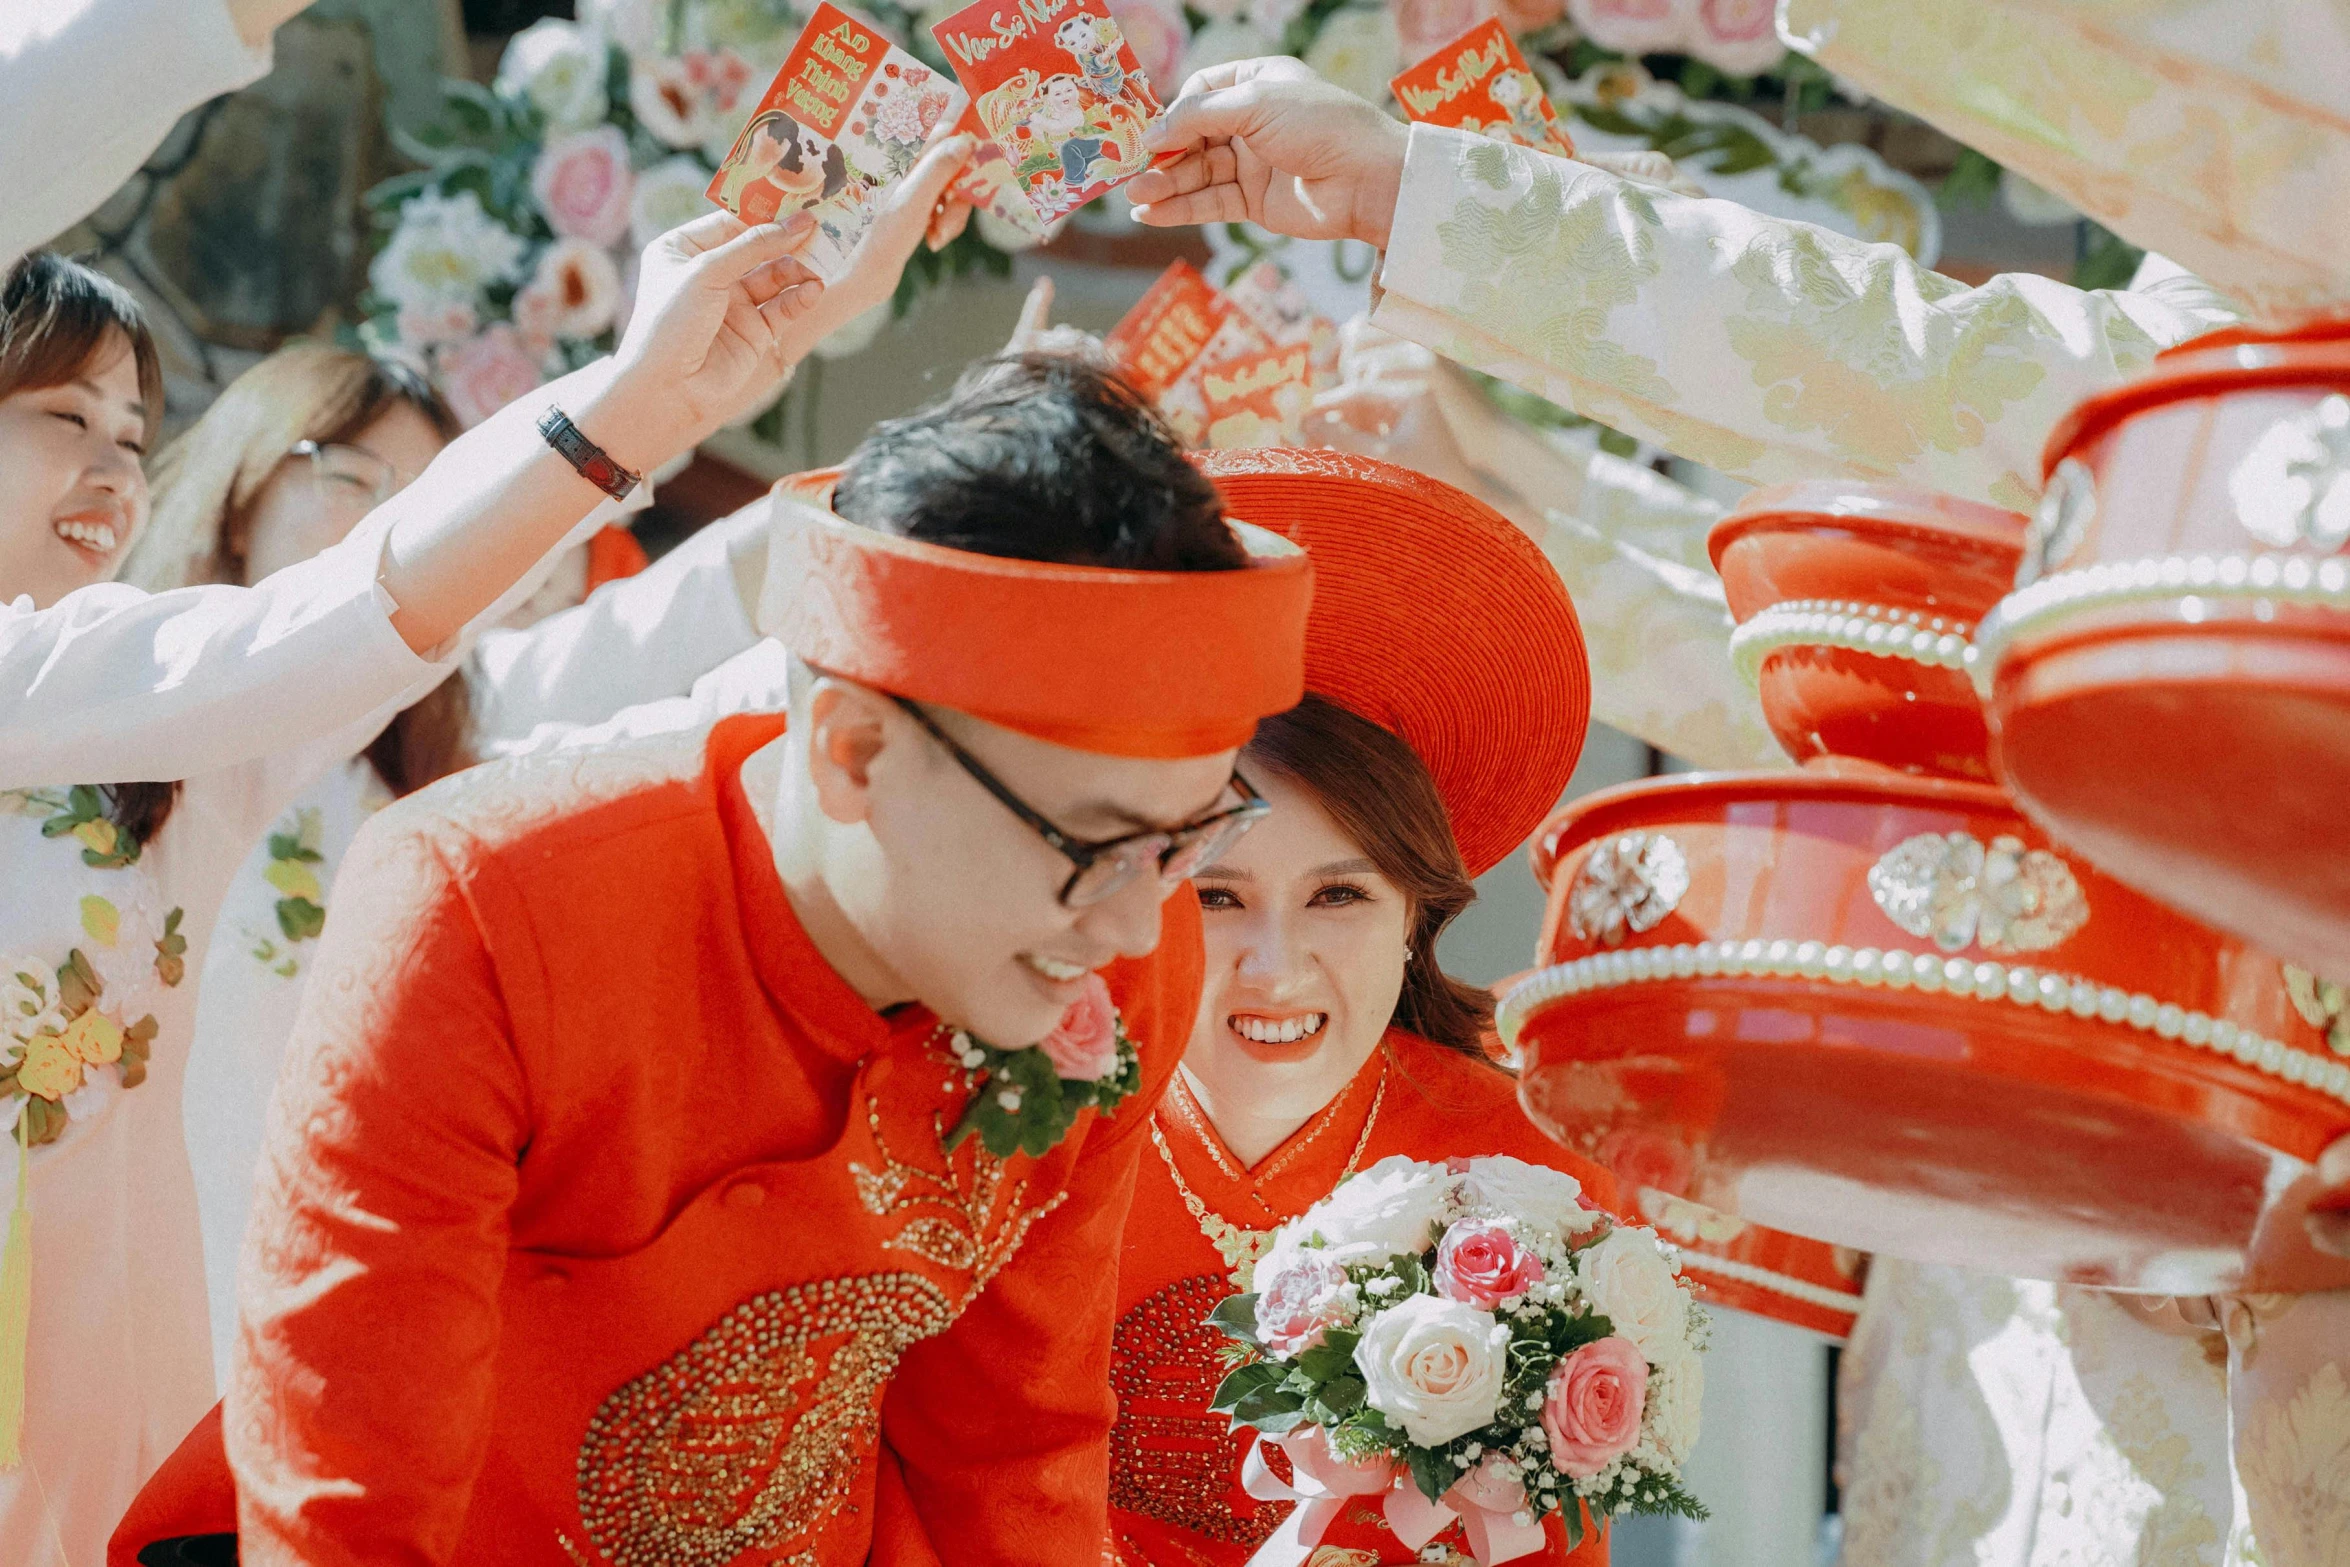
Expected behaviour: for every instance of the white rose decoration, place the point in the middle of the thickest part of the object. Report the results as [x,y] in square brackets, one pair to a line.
[1434,1367]
[445,251]
[1544,1201]
[1628,1280]
[666,195]
[1669,1421]
[1358,49]
[560,68]
[1382,1212]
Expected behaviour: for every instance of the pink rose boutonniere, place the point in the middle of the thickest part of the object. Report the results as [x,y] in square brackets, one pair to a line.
[1591,1411]
[1482,1264]
[1026,1100]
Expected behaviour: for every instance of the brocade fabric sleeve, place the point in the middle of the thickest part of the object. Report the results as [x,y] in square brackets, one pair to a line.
[1768,349]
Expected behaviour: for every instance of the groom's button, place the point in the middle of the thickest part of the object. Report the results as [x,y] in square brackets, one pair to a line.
[744,1194]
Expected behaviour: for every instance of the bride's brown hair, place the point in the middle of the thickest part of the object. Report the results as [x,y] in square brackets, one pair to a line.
[1379,794]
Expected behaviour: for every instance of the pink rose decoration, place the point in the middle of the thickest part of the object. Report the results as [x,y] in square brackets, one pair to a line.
[429,326]
[582,184]
[1634,26]
[1482,1265]
[1298,1302]
[1527,16]
[483,376]
[1155,30]
[1592,1411]
[1740,37]
[1425,26]
[1083,1046]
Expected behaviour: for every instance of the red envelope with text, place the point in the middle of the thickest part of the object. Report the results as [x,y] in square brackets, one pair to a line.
[1480,82]
[1258,399]
[1181,323]
[1059,89]
[1280,309]
[844,119]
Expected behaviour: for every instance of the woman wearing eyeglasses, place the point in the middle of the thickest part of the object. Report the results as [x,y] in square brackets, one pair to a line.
[1446,706]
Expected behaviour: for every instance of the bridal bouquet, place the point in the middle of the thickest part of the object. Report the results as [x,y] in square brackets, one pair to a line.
[1469,1341]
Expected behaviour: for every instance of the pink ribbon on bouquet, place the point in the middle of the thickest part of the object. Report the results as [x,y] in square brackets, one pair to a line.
[1486,1502]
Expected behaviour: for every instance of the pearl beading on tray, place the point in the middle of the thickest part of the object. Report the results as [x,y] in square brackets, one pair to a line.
[2015,983]
[1763,1278]
[1853,626]
[2294,579]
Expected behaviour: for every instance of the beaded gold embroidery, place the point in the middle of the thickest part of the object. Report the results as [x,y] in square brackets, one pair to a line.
[954,1217]
[1171,1459]
[751,1438]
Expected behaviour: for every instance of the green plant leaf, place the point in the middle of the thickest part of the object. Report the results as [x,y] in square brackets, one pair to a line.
[1235,1317]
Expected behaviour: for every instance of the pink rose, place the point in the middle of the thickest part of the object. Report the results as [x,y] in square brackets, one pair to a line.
[1527,16]
[1592,1410]
[1483,1265]
[428,326]
[582,184]
[483,376]
[1425,26]
[1083,1046]
[1154,29]
[1298,1301]
[1634,26]
[1739,37]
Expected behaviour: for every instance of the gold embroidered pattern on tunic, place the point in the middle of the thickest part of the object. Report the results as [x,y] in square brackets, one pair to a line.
[751,1438]
[1170,1459]
[962,1229]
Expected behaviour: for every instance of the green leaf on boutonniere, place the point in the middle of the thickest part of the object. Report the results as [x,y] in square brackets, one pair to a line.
[1019,1104]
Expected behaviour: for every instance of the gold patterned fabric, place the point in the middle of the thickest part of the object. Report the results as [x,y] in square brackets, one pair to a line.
[2216,132]
[1767,349]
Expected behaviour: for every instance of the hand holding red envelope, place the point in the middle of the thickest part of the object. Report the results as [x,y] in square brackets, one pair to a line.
[846,117]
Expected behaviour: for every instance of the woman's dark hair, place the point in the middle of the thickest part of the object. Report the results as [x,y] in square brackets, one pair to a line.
[1379,794]
[1041,457]
[57,317]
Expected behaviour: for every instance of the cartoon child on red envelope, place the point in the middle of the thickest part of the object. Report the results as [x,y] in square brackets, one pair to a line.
[1062,94]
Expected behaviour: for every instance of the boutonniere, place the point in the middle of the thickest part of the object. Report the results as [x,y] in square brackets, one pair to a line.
[1024,1101]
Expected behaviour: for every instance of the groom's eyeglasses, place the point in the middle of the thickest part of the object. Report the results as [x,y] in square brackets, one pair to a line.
[1103,866]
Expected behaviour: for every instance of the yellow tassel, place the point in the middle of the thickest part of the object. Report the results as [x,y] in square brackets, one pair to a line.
[16,1306]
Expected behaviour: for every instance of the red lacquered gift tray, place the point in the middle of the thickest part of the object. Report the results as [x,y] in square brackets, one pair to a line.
[2170,681]
[1873,1004]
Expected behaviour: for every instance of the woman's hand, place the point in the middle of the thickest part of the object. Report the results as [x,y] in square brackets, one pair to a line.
[1270,142]
[913,211]
[1035,333]
[716,303]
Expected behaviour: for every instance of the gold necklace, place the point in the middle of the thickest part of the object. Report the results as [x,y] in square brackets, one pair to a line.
[1240,1247]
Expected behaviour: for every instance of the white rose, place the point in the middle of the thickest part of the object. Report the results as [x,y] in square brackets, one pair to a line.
[579,285]
[668,104]
[560,68]
[1386,1211]
[1358,48]
[1544,1201]
[445,251]
[1222,42]
[1676,1394]
[666,195]
[1629,1282]
[1434,1366]
[635,25]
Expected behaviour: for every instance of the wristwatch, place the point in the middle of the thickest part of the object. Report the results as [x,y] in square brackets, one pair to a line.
[594,464]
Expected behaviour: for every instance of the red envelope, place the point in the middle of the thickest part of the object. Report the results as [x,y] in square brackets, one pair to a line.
[1258,399]
[1182,322]
[988,183]
[1059,89]
[846,116]
[1480,82]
